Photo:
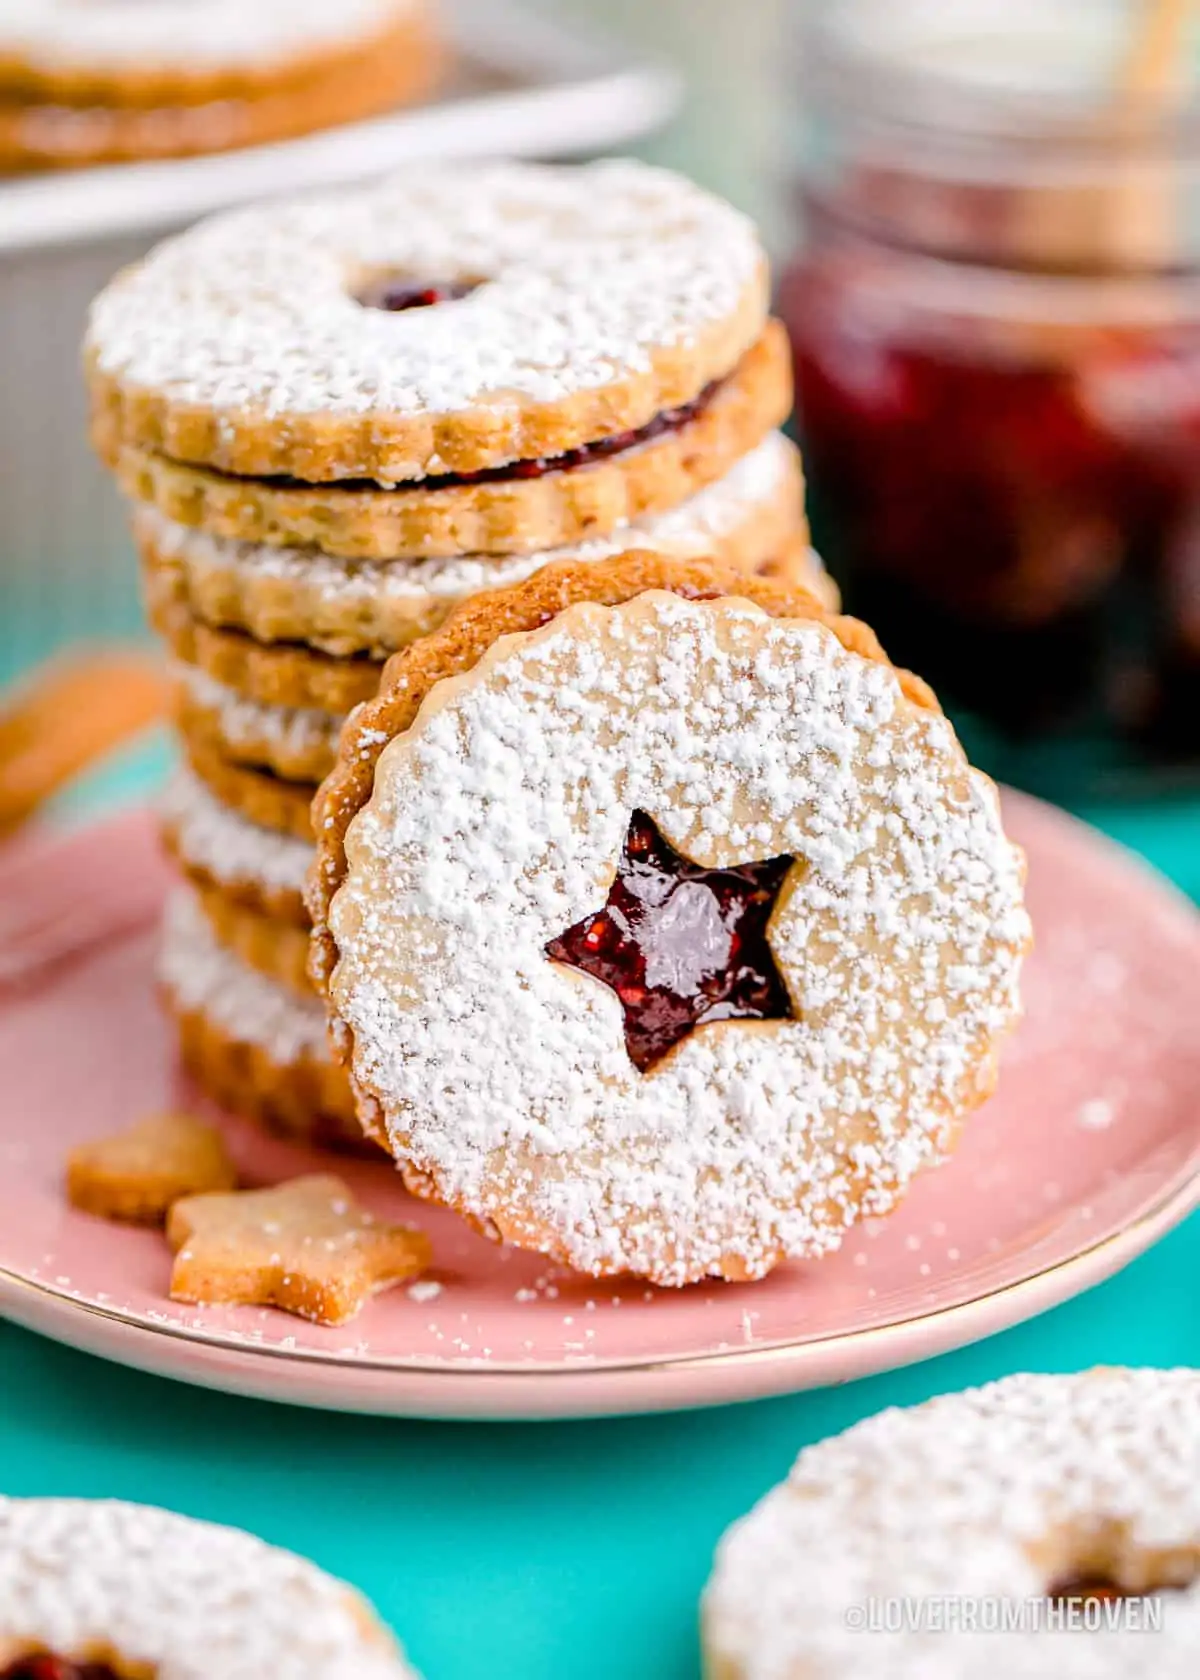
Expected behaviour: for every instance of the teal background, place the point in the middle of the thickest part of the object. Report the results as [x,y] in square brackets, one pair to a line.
[527,1552]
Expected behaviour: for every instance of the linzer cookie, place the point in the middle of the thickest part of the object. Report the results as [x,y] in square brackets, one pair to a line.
[249,1042]
[93,1590]
[182,52]
[218,850]
[753,516]
[1032,1499]
[452,321]
[537,506]
[664,925]
[118,81]
[273,948]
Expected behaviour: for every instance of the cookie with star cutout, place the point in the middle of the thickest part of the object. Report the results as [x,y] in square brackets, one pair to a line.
[304,1247]
[664,926]
[97,1590]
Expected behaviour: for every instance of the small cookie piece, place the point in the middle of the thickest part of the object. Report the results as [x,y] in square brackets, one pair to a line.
[96,1590]
[455,319]
[1031,1492]
[496,516]
[135,1177]
[304,1247]
[644,795]
[215,848]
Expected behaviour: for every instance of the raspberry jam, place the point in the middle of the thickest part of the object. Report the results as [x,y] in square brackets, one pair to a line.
[680,945]
[669,420]
[1017,514]
[397,296]
[43,1666]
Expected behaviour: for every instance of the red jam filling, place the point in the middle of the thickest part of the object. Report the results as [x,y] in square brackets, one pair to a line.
[44,1666]
[680,945]
[1019,520]
[670,420]
[398,296]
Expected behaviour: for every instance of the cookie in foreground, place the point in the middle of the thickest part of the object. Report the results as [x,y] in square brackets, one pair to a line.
[664,926]
[1035,1494]
[95,1590]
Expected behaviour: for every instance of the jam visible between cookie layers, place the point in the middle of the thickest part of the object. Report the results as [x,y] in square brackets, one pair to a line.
[43,1666]
[681,946]
[670,420]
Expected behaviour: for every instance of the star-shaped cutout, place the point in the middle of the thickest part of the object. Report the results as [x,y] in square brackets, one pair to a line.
[305,1247]
[680,945]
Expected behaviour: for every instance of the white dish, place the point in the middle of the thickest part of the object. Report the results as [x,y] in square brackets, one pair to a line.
[521,86]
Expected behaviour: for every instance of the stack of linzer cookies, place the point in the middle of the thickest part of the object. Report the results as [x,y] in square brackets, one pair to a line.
[361,426]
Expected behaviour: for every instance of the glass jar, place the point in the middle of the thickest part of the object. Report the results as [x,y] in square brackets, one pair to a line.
[995,311]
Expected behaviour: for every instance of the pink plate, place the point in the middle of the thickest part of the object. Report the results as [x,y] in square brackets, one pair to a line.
[1089,1153]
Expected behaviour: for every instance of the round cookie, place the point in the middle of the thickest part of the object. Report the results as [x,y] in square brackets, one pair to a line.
[264,800]
[274,674]
[662,935]
[600,298]
[114,1591]
[186,52]
[292,742]
[251,1044]
[276,949]
[753,518]
[1029,1492]
[39,136]
[217,850]
[486,516]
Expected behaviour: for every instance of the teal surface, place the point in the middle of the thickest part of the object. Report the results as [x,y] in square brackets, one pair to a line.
[531,1552]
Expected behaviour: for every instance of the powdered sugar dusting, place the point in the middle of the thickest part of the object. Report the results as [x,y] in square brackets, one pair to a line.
[588,272]
[497,822]
[226,846]
[183,35]
[186,1599]
[202,975]
[1005,1491]
[689,530]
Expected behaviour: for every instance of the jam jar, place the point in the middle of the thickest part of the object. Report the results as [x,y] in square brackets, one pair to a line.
[995,312]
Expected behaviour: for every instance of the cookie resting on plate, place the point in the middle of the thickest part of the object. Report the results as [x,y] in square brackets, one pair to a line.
[664,925]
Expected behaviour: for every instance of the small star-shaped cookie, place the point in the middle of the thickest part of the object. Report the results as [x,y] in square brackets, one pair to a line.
[136,1176]
[305,1247]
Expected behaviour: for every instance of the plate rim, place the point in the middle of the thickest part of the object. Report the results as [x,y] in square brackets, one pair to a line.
[1122,1244]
